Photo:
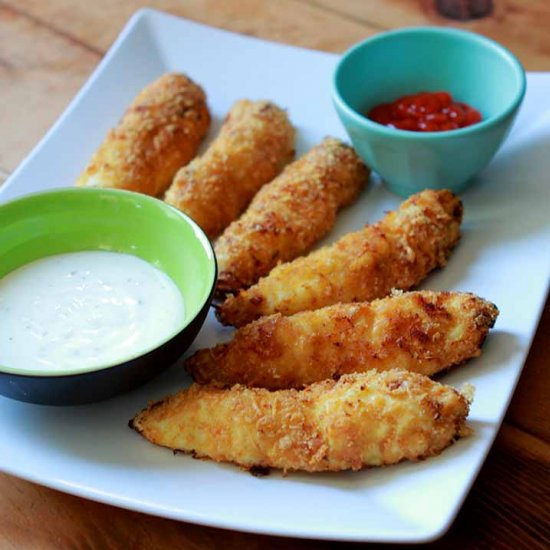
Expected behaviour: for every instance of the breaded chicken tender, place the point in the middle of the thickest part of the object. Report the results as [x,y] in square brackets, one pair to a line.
[422,332]
[395,253]
[289,214]
[254,144]
[160,132]
[367,419]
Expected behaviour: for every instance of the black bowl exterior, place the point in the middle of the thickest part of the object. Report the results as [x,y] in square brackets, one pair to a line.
[89,387]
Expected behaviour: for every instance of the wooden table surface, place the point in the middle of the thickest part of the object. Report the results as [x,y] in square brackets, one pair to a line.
[47,50]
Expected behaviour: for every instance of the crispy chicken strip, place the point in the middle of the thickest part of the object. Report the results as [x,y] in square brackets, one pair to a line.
[422,332]
[160,132]
[367,419]
[289,214]
[255,142]
[397,252]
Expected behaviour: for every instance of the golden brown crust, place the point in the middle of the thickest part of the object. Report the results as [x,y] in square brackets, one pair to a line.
[290,214]
[254,144]
[160,132]
[422,332]
[397,252]
[368,419]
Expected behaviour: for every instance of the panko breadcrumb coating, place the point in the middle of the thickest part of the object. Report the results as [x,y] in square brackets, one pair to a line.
[160,132]
[362,420]
[422,332]
[397,252]
[290,214]
[254,144]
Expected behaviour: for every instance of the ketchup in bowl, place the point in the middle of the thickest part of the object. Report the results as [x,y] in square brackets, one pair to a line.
[425,112]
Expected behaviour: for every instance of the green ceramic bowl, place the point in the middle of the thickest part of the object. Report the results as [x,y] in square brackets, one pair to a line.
[474,69]
[71,220]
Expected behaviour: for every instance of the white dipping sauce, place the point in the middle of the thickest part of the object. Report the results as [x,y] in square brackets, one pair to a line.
[85,309]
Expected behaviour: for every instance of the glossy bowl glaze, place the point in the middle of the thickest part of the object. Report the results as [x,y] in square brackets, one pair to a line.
[474,69]
[71,220]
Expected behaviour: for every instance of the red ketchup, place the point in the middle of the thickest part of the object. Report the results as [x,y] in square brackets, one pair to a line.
[425,112]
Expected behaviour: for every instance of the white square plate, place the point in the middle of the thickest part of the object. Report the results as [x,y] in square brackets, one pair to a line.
[504,256]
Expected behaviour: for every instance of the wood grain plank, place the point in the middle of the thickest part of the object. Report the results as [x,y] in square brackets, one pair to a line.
[530,407]
[521,25]
[40,71]
[331,25]
[32,516]
[505,510]
[3,175]
[14,7]
[289,21]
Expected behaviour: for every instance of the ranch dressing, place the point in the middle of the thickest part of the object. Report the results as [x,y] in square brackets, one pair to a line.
[86,309]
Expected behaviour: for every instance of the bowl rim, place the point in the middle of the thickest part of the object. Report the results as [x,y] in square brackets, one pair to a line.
[198,232]
[487,123]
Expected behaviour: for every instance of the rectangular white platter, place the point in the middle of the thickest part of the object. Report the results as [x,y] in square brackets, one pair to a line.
[504,256]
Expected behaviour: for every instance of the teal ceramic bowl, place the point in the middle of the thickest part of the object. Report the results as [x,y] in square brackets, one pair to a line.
[474,69]
[72,220]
